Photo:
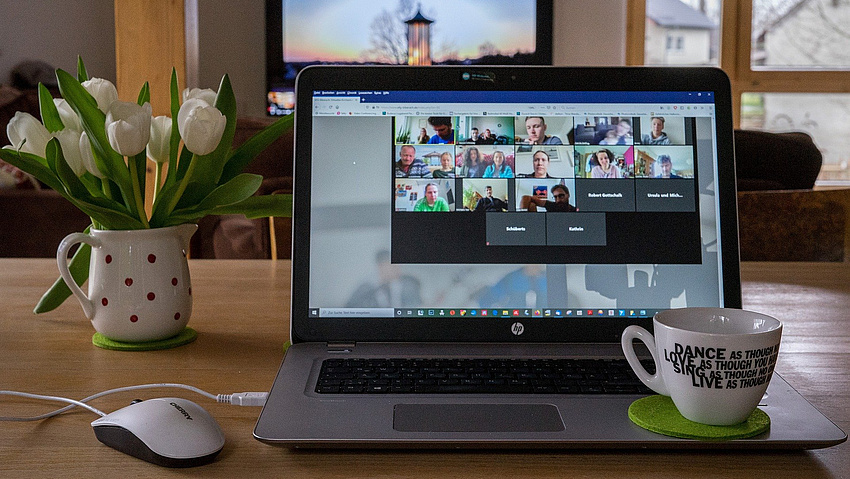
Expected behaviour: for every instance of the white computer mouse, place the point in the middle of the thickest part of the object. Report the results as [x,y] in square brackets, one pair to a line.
[170,432]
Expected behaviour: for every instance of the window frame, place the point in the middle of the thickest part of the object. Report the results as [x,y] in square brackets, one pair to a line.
[735,51]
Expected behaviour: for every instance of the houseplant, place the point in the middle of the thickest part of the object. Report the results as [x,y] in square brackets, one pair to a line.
[92,148]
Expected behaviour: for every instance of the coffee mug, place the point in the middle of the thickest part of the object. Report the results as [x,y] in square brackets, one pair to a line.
[714,363]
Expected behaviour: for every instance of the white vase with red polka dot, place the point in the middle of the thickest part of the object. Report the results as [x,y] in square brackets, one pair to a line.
[139,287]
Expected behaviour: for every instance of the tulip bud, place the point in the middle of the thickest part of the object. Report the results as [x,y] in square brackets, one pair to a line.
[24,126]
[67,115]
[201,126]
[202,94]
[69,140]
[159,146]
[128,127]
[103,91]
[87,156]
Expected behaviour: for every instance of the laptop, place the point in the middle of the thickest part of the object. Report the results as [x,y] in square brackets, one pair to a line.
[463,235]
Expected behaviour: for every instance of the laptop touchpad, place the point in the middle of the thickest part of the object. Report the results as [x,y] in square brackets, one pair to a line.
[477,418]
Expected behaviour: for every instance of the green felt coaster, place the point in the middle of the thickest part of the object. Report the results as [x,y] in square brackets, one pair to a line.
[659,414]
[184,337]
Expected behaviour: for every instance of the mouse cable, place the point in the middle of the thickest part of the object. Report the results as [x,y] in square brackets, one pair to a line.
[237,399]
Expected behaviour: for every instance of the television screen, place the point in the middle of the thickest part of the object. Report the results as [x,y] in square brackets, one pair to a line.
[300,33]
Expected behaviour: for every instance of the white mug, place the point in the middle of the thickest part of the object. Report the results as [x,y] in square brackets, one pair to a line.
[714,363]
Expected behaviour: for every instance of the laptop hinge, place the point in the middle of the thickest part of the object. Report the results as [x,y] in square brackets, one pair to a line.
[340,347]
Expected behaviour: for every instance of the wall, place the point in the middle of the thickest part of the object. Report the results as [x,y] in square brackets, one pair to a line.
[231,38]
[56,32]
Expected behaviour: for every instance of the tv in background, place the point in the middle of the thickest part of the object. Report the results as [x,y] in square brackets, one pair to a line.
[300,33]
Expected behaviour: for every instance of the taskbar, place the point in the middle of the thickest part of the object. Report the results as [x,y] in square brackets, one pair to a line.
[480,313]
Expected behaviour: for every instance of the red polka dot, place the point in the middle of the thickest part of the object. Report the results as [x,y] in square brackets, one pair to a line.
[108,258]
[151,296]
[151,258]
[134,318]
[176,316]
[128,281]
[173,281]
[104,301]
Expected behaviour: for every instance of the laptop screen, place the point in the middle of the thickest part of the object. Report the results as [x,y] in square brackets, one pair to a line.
[512,204]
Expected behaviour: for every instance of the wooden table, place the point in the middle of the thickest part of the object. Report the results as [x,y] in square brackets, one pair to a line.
[240,310]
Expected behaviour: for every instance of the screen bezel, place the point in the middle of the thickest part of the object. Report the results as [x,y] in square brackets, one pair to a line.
[305,328]
[276,66]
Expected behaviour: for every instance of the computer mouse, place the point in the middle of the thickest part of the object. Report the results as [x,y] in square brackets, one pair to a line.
[170,432]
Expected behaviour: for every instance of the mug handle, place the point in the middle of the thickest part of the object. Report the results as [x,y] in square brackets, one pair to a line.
[62,261]
[652,381]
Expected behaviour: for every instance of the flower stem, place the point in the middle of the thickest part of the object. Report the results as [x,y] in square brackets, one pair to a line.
[137,193]
[106,189]
[157,180]
[172,202]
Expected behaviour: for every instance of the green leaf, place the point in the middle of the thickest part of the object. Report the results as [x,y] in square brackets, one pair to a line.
[252,207]
[175,132]
[185,161]
[49,112]
[252,147]
[234,191]
[59,292]
[144,94]
[57,162]
[82,75]
[32,164]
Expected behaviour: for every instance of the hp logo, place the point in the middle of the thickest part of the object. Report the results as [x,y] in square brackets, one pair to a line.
[517,328]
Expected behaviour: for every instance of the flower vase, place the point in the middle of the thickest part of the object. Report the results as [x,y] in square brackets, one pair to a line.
[139,288]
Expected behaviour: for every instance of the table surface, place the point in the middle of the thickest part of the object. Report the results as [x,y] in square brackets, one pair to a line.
[240,311]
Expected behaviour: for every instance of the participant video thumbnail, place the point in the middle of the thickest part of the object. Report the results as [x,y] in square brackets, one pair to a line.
[424,161]
[664,162]
[485,130]
[485,161]
[435,195]
[545,195]
[489,195]
[604,130]
[546,162]
[540,130]
[424,130]
[604,162]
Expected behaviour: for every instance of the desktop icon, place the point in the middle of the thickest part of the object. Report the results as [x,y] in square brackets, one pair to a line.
[463,312]
[483,312]
[516,312]
[473,312]
[537,312]
[547,312]
[622,312]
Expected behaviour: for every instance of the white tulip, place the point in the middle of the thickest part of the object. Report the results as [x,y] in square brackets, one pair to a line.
[159,146]
[88,156]
[200,126]
[24,126]
[67,115]
[128,127]
[202,94]
[103,91]
[69,140]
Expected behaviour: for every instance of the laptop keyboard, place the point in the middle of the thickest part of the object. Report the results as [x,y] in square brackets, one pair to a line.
[479,376]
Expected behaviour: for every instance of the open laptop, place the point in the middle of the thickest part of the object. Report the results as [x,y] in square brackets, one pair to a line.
[415,238]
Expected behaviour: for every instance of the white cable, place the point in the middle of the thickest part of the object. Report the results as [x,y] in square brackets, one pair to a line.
[47,398]
[239,399]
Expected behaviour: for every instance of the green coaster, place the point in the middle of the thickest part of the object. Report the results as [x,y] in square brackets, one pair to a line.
[659,414]
[184,337]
